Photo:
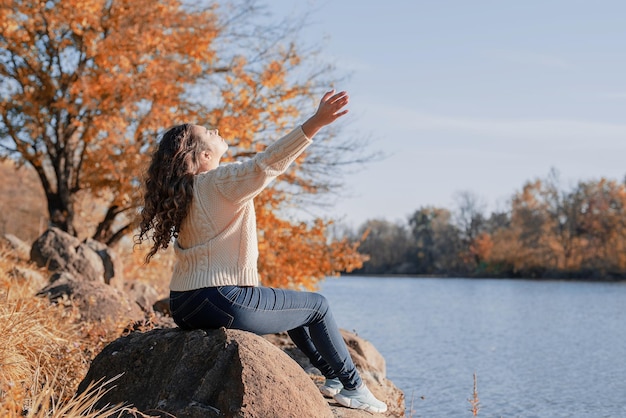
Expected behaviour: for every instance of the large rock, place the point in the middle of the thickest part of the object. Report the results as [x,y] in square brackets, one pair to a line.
[194,374]
[59,251]
[95,300]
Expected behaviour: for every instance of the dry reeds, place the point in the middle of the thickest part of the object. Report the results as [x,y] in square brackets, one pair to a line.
[44,350]
[474,401]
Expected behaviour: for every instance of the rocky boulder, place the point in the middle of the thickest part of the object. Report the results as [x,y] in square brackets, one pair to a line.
[84,272]
[59,251]
[214,373]
[95,300]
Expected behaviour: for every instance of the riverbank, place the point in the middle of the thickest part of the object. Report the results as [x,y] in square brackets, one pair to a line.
[554,277]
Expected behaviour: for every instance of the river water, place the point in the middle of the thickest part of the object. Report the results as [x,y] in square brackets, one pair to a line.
[538,348]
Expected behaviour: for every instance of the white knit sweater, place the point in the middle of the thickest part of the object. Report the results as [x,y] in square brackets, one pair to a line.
[217,244]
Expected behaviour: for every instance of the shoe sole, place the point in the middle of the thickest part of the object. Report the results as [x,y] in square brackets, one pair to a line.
[329,392]
[355,404]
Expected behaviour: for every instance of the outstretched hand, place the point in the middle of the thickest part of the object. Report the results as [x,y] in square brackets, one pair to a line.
[331,107]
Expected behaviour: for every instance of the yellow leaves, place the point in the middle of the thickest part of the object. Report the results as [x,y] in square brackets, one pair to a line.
[273,75]
[255,99]
[565,231]
[8,22]
[481,246]
[14,21]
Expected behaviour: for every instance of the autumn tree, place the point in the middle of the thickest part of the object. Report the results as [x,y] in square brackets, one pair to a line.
[438,241]
[532,228]
[423,230]
[86,87]
[545,217]
[602,226]
[555,231]
[469,217]
[563,215]
[388,245]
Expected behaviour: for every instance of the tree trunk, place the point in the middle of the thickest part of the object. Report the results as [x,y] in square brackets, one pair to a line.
[105,228]
[105,234]
[121,233]
[61,214]
[60,206]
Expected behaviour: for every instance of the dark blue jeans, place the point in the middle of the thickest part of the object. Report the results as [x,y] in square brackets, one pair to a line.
[306,317]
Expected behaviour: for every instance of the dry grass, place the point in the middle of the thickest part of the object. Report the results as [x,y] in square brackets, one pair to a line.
[45,350]
[45,404]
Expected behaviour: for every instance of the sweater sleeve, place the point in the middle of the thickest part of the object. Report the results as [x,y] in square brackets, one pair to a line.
[240,182]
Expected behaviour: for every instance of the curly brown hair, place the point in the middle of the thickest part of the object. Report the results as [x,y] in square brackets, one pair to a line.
[169,186]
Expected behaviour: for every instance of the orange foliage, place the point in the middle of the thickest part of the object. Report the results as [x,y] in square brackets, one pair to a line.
[481,246]
[560,232]
[297,255]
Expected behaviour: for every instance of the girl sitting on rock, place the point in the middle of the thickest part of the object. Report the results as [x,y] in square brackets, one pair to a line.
[208,208]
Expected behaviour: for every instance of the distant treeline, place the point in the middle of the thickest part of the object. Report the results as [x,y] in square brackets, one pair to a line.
[546,232]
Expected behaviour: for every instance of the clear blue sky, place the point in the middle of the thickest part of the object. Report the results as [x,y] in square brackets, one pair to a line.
[477,96]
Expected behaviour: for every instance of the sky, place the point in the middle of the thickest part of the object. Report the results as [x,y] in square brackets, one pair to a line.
[472,96]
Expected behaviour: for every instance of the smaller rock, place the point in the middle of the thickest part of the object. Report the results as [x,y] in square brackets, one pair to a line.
[142,293]
[162,306]
[59,251]
[371,366]
[365,356]
[95,300]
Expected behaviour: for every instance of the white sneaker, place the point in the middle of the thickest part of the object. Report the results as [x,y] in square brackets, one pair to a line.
[360,398]
[331,387]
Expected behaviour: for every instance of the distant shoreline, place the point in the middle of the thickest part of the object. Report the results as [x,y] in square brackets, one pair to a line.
[442,276]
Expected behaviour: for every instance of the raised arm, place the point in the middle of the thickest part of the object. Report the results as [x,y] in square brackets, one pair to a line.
[330,109]
[240,182]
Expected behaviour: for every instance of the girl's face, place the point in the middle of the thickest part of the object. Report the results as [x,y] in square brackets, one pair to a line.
[214,146]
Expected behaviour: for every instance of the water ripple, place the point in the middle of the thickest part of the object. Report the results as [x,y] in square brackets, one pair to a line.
[539,348]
